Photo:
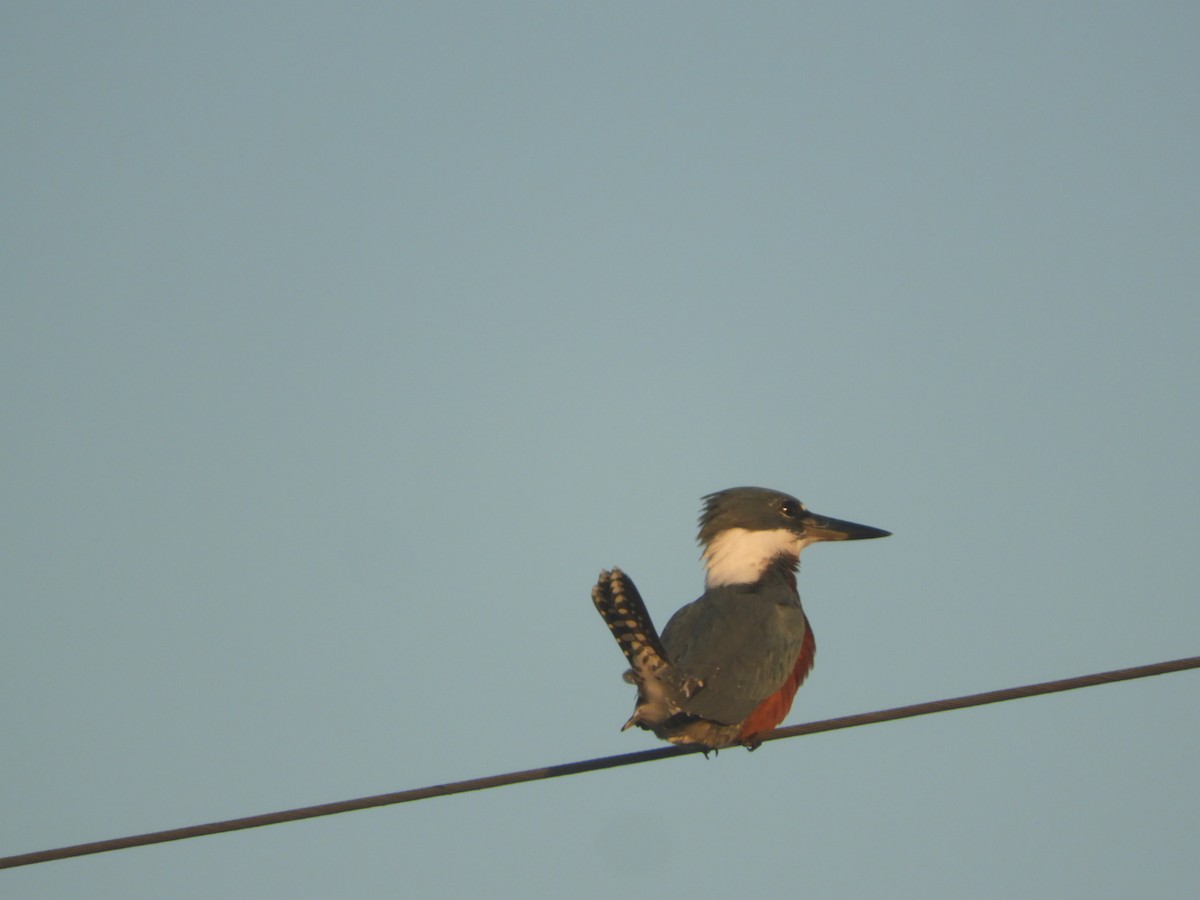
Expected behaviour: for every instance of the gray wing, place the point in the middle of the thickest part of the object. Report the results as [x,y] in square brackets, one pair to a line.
[739,644]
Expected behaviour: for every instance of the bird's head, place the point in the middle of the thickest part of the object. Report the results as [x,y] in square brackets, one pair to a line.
[745,530]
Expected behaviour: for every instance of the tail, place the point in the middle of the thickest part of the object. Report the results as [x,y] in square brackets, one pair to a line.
[625,613]
[662,689]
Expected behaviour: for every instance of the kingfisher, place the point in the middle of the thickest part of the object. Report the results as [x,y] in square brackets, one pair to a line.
[726,668]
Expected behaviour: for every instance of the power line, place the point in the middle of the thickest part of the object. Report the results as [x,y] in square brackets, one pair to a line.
[592,765]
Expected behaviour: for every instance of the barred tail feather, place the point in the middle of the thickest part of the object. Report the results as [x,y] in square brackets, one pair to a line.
[623,610]
[625,613]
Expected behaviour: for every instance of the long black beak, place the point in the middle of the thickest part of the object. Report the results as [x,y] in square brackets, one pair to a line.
[822,528]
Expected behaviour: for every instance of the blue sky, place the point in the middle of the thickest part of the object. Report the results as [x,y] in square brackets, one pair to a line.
[343,345]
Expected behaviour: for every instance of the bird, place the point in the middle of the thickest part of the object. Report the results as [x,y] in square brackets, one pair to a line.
[726,668]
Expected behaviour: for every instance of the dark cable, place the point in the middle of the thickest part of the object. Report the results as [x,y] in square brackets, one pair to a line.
[591,765]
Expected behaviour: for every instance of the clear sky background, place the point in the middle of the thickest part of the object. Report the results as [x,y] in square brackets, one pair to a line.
[343,344]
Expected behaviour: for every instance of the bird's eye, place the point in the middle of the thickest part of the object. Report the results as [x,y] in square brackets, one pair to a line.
[791,508]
